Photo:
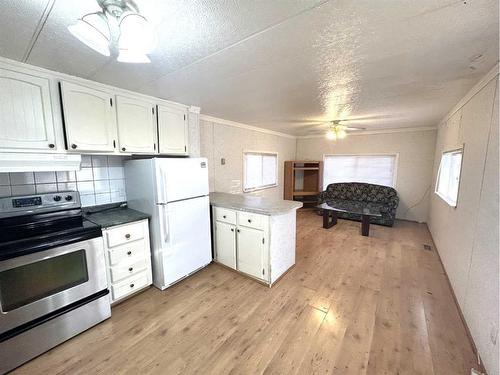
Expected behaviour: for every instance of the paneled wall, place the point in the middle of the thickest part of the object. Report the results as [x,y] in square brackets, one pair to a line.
[222,141]
[100,181]
[467,236]
[415,151]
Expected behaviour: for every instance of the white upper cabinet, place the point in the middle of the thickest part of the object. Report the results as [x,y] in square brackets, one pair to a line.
[26,120]
[172,131]
[89,118]
[136,125]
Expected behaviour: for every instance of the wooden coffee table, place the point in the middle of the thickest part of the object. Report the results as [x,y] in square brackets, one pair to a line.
[365,210]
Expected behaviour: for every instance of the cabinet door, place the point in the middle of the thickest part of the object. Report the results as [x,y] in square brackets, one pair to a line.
[172,131]
[251,252]
[136,125]
[225,244]
[89,118]
[25,112]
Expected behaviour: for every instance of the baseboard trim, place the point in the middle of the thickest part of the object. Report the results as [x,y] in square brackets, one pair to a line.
[460,313]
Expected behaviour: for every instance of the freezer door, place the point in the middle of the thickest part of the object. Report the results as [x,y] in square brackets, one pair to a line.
[186,235]
[181,178]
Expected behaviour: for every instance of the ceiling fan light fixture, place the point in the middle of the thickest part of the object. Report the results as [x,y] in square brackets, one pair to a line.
[341,133]
[93,31]
[136,34]
[331,135]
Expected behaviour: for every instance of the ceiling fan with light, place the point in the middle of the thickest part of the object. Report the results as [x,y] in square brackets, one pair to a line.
[118,28]
[337,129]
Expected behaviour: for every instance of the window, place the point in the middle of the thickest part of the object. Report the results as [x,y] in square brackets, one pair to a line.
[259,170]
[373,169]
[448,178]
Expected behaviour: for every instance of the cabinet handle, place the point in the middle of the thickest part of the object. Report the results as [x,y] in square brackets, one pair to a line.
[130,269]
[51,145]
[223,216]
[132,285]
[127,236]
[123,148]
[232,229]
[237,230]
[73,146]
[129,253]
[249,220]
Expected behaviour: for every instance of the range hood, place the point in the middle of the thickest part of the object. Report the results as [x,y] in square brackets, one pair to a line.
[25,162]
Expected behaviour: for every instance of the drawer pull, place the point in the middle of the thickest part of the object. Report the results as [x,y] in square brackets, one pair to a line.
[132,285]
[238,230]
[129,252]
[131,269]
[232,229]
[127,236]
[223,216]
[249,220]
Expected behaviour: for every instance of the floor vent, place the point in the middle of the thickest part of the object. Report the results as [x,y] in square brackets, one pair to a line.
[428,247]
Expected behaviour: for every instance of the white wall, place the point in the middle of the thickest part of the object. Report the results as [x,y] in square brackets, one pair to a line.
[415,160]
[220,140]
[467,236]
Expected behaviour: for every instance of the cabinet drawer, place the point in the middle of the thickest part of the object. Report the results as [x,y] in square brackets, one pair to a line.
[129,285]
[125,234]
[227,216]
[126,268]
[250,220]
[128,252]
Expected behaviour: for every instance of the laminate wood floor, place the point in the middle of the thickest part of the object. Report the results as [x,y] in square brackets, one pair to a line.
[352,305]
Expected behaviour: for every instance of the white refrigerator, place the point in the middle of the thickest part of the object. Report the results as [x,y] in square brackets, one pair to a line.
[174,192]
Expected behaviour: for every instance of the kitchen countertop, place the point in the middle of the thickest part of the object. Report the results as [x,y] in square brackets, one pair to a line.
[114,216]
[251,203]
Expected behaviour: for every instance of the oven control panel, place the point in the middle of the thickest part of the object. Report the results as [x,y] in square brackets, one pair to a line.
[26,202]
[31,204]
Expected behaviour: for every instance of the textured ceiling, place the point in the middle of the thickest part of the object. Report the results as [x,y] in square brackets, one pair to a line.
[284,65]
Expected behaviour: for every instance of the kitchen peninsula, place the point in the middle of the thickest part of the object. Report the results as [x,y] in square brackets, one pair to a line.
[254,235]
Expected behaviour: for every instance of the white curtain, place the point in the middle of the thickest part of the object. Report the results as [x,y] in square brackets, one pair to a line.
[373,169]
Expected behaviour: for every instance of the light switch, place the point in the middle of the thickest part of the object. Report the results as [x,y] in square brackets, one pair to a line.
[223,161]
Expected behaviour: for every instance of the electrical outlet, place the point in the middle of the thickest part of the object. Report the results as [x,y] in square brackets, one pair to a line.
[493,333]
[222,161]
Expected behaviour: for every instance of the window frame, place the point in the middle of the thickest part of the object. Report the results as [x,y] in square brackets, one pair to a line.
[262,187]
[396,164]
[436,191]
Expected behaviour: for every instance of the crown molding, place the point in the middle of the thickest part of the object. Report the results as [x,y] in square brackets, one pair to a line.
[379,131]
[244,126]
[473,91]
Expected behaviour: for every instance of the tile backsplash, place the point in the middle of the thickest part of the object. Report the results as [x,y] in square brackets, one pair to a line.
[101,180]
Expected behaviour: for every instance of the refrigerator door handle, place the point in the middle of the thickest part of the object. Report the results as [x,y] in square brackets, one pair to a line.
[162,193]
[164,223]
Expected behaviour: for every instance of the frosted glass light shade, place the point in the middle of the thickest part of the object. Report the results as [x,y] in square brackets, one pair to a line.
[93,31]
[136,34]
[128,56]
[331,135]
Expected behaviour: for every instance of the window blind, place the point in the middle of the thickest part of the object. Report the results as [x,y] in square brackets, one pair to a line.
[373,169]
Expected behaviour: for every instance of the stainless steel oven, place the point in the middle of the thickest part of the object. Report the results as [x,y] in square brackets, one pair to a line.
[34,285]
[52,275]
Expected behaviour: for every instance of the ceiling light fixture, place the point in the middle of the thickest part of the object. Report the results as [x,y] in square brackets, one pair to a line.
[119,29]
[336,131]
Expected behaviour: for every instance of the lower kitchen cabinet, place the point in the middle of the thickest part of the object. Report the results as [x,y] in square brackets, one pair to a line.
[260,246]
[252,252]
[226,243]
[128,259]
